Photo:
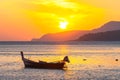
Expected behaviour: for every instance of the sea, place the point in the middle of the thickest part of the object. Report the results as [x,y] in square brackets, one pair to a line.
[89,60]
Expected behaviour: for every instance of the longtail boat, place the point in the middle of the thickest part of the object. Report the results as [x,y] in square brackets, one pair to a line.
[44,65]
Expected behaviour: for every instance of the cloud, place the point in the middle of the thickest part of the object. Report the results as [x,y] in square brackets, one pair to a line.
[58,8]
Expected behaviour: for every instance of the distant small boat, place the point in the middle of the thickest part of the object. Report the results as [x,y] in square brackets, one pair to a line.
[44,65]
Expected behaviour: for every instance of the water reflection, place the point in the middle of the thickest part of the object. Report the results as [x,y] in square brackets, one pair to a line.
[63,49]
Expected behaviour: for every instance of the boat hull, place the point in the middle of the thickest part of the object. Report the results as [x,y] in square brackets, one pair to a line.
[44,65]
[37,65]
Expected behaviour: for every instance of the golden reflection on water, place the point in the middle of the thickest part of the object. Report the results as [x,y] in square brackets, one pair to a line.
[63,49]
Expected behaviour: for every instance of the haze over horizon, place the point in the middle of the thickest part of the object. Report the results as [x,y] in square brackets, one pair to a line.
[23,20]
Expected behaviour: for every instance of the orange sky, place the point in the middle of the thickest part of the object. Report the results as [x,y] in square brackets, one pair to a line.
[27,19]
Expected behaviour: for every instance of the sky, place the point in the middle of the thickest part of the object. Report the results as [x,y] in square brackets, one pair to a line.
[22,20]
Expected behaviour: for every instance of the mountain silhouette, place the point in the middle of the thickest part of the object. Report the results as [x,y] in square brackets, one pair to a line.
[110,26]
[62,36]
[105,32]
[101,36]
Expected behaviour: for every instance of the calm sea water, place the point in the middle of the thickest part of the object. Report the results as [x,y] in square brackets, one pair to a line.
[89,60]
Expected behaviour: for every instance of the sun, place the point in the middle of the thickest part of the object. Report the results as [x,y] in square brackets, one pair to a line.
[63,25]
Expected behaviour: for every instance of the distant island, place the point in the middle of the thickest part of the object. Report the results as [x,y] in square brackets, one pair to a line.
[108,32]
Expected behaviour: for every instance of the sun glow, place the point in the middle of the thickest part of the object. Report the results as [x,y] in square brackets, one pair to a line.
[63,25]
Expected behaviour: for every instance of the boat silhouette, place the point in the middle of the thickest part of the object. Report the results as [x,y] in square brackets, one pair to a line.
[45,65]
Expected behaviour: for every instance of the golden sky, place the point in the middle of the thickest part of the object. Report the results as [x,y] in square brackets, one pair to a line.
[27,19]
